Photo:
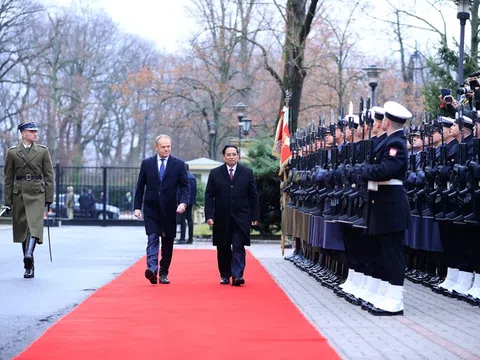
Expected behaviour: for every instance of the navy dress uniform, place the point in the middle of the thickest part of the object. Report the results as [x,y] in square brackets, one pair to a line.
[29,184]
[389,208]
[457,242]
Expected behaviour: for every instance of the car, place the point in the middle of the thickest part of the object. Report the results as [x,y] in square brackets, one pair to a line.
[112,212]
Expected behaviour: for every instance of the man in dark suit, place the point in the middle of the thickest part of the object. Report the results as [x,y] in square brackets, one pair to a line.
[186,217]
[163,176]
[389,208]
[231,206]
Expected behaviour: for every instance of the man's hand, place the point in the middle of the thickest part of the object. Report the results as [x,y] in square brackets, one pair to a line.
[138,214]
[181,208]
[8,208]
[254,223]
[210,222]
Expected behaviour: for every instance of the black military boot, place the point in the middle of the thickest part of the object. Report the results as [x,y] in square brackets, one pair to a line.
[28,260]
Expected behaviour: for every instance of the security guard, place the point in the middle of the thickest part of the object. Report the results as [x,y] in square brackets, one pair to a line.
[389,208]
[29,184]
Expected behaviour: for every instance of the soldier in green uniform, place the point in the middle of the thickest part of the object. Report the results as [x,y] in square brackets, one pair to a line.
[29,184]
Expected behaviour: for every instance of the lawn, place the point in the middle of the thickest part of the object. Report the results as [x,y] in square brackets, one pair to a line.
[204,230]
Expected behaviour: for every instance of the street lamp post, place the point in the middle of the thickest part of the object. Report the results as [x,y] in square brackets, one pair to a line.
[212,132]
[372,72]
[463,14]
[243,127]
[240,108]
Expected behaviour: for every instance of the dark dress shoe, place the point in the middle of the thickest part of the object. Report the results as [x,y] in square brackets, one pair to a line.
[151,276]
[224,281]
[379,312]
[164,279]
[367,306]
[29,273]
[353,300]
[238,281]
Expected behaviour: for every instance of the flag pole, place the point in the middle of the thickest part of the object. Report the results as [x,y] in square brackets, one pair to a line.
[288,95]
[284,203]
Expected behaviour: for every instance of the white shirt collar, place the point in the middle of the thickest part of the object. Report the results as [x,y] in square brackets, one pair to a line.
[159,160]
[234,168]
[26,146]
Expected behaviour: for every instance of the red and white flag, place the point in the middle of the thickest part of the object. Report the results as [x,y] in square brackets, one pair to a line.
[281,146]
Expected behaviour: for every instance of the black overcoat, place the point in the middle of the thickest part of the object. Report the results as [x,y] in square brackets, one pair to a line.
[160,200]
[389,208]
[227,201]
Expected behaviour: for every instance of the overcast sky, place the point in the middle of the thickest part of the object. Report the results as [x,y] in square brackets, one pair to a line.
[168,24]
[163,21]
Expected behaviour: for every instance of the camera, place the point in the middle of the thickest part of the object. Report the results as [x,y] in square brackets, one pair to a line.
[464,90]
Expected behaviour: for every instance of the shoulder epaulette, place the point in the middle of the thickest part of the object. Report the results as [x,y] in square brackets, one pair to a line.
[42,146]
[13,147]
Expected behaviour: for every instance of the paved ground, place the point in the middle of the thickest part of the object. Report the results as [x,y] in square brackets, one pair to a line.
[86,258]
[433,327]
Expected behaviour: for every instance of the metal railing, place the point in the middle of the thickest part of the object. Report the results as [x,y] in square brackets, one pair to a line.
[100,193]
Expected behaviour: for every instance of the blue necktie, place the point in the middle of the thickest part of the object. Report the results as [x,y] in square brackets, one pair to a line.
[162,169]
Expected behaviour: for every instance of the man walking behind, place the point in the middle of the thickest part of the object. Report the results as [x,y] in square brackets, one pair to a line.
[231,207]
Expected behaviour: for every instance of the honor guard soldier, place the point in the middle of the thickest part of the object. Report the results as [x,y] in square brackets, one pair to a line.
[29,184]
[389,208]
[377,131]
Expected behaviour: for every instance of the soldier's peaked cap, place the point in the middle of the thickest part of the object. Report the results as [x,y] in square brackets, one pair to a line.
[415,130]
[378,112]
[396,112]
[467,122]
[27,125]
[446,121]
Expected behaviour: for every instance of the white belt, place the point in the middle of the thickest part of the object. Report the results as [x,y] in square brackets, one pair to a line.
[373,185]
[390,182]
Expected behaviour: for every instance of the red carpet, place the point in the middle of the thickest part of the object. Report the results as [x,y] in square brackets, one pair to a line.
[192,318]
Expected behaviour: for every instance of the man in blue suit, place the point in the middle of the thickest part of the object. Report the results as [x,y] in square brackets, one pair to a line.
[163,176]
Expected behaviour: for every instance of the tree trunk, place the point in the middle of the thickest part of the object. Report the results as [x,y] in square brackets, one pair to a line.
[298,27]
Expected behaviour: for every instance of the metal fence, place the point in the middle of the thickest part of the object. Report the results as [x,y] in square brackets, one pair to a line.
[100,193]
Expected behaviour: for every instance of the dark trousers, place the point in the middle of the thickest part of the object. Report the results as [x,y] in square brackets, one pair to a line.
[353,240]
[393,256]
[152,253]
[231,258]
[186,218]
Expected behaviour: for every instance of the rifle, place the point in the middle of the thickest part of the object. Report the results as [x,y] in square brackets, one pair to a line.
[459,196]
[430,173]
[333,166]
[351,172]
[361,202]
[442,179]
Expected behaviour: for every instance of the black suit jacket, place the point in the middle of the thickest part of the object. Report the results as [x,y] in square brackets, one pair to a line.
[389,207]
[159,199]
[227,201]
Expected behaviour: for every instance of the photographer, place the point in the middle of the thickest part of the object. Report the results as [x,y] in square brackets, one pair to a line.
[448,105]
[470,92]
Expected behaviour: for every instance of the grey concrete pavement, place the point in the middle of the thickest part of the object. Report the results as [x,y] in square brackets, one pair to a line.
[84,259]
[433,327]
